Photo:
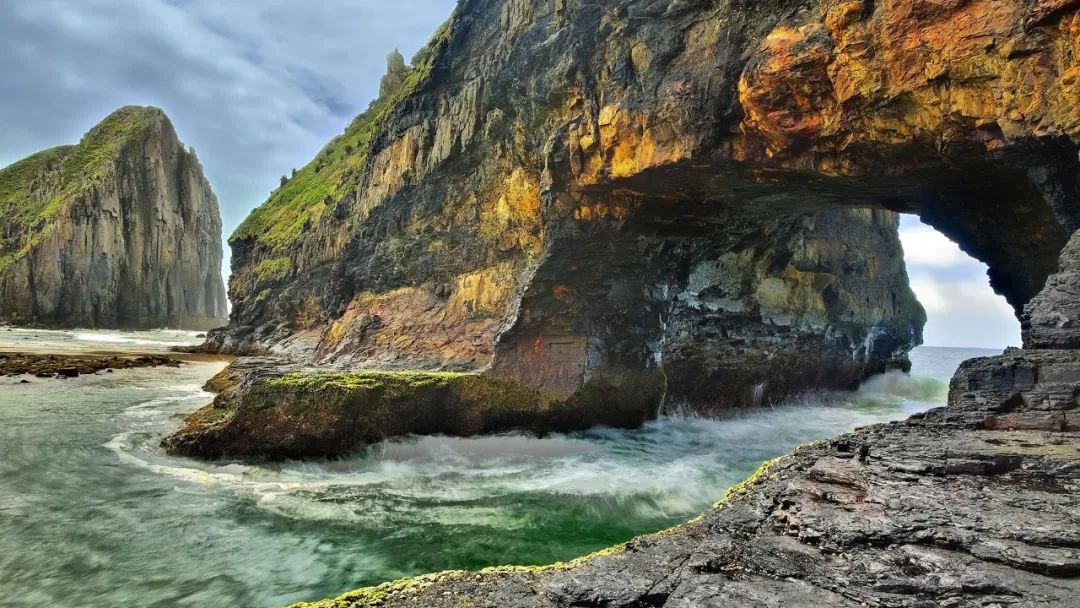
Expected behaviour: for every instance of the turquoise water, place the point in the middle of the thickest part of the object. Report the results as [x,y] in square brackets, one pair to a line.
[93,514]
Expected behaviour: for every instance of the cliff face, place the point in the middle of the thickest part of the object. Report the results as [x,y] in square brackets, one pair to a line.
[921,512]
[565,192]
[120,231]
[573,194]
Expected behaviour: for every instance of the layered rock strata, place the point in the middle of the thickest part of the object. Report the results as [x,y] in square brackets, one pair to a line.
[120,231]
[544,190]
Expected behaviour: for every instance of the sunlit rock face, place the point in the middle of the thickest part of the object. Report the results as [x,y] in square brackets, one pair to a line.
[563,191]
[119,231]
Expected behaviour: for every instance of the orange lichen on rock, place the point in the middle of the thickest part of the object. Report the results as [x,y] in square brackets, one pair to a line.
[486,290]
[414,324]
[512,216]
[623,143]
[983,70]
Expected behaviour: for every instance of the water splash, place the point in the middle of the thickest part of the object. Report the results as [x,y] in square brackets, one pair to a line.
[757,396]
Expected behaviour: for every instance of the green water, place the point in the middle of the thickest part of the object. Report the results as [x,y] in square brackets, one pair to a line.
[92,514]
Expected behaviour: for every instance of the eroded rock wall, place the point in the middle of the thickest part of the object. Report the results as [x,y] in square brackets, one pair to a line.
[135,239]
[547,178]
[1052,318]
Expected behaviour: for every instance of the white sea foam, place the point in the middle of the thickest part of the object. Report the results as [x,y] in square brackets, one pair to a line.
[671,467]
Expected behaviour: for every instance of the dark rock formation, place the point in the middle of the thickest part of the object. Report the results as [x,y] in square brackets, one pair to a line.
[562,192]
[970,505]
[69,366]
[271,410]
[558,205]
[120,230]
[1052,318]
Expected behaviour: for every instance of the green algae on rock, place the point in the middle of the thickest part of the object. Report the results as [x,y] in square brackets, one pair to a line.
[269,413]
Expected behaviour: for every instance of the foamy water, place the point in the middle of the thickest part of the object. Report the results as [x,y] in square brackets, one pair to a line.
[75,341]
[91,508]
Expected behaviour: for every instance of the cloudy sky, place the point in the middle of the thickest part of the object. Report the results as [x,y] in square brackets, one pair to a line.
[258,86]
[255,86]
[961,308]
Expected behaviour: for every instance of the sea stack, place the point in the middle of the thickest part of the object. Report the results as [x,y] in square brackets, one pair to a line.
[120,230]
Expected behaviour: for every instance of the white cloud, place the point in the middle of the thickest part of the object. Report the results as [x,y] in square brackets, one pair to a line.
[968,295]
[961,308]
[925,246]
[257,86]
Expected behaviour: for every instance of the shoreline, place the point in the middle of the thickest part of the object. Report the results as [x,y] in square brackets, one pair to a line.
[917,512]
[71,366]
[27,351]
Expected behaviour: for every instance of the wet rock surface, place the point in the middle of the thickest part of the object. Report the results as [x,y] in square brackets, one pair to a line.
[948,508]
[271,409]
[70,366]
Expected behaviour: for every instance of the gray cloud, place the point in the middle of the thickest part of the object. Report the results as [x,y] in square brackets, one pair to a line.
[256,86]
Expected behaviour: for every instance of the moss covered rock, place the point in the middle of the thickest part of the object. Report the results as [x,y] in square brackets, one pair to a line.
[279,413]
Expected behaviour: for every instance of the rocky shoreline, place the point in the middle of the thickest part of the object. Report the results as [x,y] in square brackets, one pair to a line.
[70,366]
[973,504]
[270,409]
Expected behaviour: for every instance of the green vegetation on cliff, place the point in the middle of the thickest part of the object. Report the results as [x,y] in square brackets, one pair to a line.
[33,190]
[26,214]
[337,169]
[273,269]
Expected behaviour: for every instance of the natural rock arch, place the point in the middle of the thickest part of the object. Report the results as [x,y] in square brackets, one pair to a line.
[1012,210]
[572,193]
[621,180]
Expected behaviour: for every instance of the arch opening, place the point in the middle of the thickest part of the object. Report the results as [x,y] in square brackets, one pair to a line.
[962,309]
[740,284]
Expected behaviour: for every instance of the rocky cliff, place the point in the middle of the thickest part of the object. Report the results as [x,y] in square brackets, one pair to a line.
[571,194]
[119,231]
[492,211]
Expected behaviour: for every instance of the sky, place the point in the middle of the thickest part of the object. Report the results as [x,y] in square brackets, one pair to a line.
[257,87]
[961,308]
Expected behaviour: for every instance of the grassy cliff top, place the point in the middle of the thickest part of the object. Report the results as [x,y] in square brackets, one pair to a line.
[33,190]
[337,169]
